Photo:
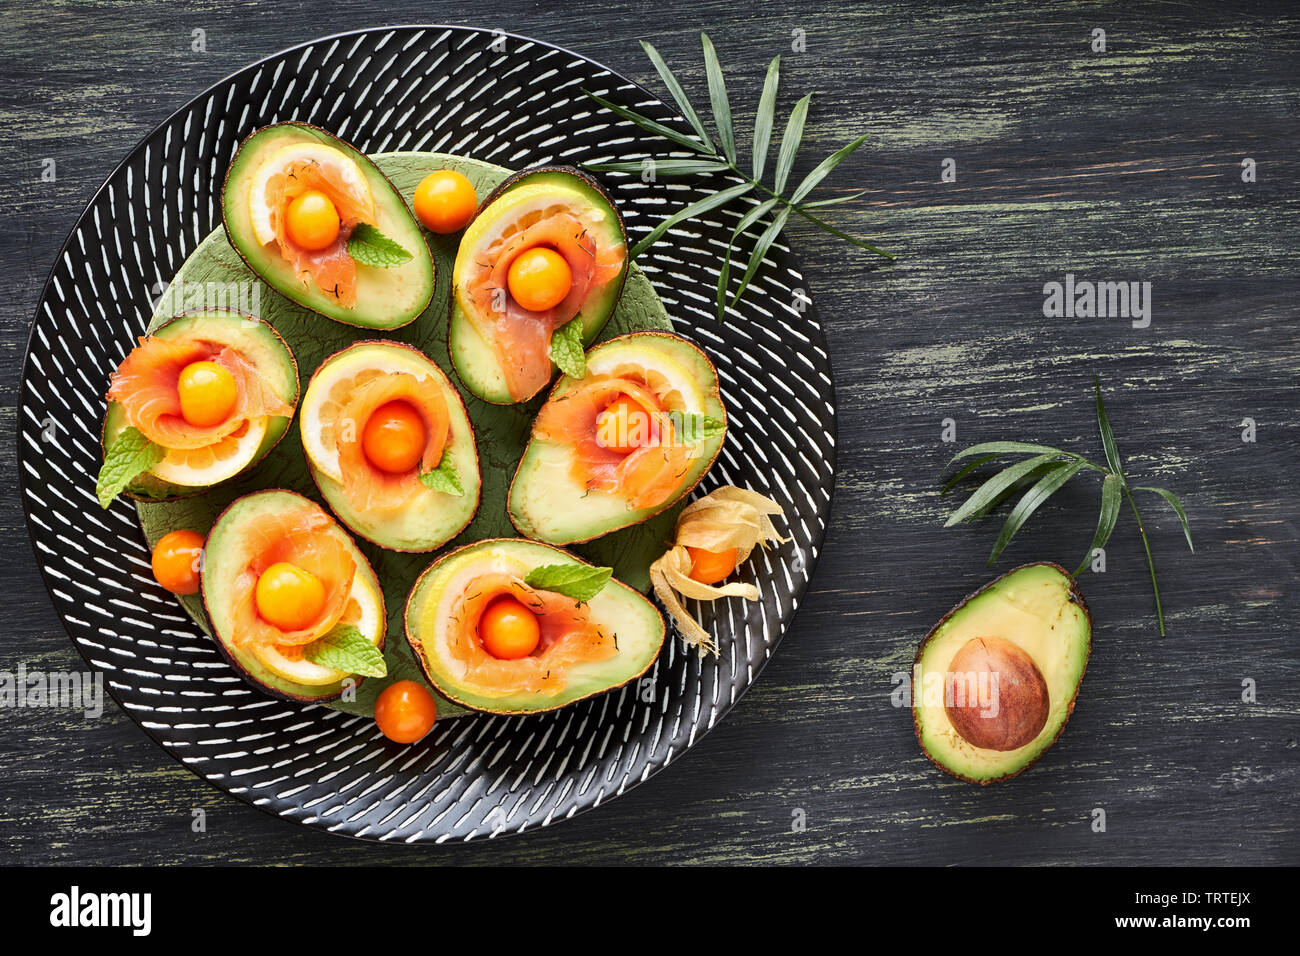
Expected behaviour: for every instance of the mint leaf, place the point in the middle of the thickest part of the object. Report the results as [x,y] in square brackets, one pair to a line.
[692,428]
[581,582]
[346,649]
[566,349]
[129,455]
[444,478]
[370,247]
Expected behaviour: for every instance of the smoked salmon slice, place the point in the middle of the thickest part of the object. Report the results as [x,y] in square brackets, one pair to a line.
[650,474]
[568,637]
[146,386]
[371,489]
[332,269]
[521,337]
[306,538]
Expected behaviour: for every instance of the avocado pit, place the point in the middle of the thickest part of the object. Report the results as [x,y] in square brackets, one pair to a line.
[997,697]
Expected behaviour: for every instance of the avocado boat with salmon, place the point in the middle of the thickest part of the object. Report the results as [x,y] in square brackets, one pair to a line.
[630,438]
[195,404]
[516,627]
[320,224]
[294,605]
[390,446]
[543,259]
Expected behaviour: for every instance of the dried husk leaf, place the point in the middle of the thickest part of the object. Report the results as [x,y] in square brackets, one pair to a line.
[727,518]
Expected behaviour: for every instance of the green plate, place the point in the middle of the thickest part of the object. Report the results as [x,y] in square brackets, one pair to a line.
[214,269]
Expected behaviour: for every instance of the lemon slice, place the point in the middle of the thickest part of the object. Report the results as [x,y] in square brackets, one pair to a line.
[259,206]
[322,404]
[291,665]
[201,467]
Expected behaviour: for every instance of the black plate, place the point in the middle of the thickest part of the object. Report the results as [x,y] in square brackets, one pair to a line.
[507,100]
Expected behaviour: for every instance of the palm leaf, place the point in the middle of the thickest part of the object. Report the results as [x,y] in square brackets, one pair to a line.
[965,470]
[760,249]
[1111,490]
[834,200]
[1005,448]
[718,99]
[1107,436]
[653,126]
[678,94]
[1177,505]
[824,168]
[986,494]
[1029,503]
[755,213]
[766,116]
[720,198]
[1019,485]
[823,224]
[790,143]
[671,167]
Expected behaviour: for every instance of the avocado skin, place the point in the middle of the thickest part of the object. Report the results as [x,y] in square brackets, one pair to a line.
[369,534]
[417,648]
[149,489]
[371,170]
[590,330]
[517,520]
[276,685]
[1076,596]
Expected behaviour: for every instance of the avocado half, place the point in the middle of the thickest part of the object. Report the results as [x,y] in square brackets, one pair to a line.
[547,504]
[638,626]
[473,357]
[225,555]
[431,518]
[386,298]
[1032,628]
[252,338]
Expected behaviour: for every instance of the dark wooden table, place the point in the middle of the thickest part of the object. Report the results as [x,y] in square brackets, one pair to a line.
[1117,166]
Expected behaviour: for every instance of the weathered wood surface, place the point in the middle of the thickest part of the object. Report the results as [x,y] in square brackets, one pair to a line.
[1116,166]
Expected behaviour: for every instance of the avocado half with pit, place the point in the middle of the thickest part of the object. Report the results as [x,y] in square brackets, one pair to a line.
[995,681]
[521,203]
[428,518]
[549,501]
[182,474]
[226,554]
[434,625]
[386,298]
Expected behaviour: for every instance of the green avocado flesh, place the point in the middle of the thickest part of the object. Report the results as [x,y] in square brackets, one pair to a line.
[255,341]
[501,431]
[475,357]
[386,298]
[636,624]
[430,518]
[226,554]
[547,503]
[1038,609]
